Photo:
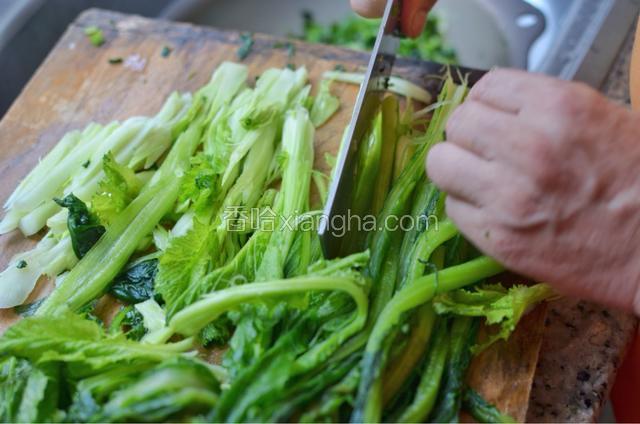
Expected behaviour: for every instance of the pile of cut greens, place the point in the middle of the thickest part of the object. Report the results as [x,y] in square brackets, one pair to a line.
[360,34]
[157,212]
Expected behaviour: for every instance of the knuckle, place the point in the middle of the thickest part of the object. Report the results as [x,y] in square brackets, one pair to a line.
[575,100]
[506,247]
[564,102]
[521,208]
[541,162]
[484,86]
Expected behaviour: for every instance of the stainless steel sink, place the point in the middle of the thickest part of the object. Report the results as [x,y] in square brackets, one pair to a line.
[571,39]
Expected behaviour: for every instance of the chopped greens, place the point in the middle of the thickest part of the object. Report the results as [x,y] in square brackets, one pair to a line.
[84,227]
[95,35]
[360,34]
[246,44]
[498,305]
[136,283]
[200,222]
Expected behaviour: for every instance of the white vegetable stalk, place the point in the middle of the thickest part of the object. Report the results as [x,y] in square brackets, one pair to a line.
[396,85]
[50,257]
[75,164]
[153,316]
[275,91]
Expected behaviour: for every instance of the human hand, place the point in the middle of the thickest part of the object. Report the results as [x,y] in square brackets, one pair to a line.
[543,175]
[413,13]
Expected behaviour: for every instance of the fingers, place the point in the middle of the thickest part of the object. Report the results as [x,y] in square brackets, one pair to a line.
[461,173]
[369,8]
[414,16]
[485,131]
[510,90]
[468,218]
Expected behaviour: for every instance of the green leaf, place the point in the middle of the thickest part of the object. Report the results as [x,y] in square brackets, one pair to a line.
[246,44]
[199,186]
[186,259]
[499,306]
[135,284]
[130,321]
[160,393]
[84,227]
[95,35]
[176,389]
[79,343]
[28,393]
[324,105]
[116,190]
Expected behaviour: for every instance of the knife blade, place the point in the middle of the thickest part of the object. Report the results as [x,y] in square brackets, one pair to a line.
[336,241]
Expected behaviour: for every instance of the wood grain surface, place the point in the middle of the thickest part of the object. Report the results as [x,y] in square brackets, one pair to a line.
[76,85]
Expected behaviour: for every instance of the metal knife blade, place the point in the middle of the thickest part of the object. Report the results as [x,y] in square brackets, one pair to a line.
[334,240]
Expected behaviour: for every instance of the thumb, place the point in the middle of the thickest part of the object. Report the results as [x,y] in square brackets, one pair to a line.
[414,16]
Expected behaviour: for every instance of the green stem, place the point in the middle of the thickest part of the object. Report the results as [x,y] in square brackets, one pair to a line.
[481,410]
[91,276]
[414,294]
[193,318]
[429,385]
[462,337]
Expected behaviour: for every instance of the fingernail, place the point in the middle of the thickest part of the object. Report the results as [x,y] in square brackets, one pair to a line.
[417,23]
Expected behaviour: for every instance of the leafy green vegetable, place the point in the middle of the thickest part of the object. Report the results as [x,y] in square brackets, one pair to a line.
[28,393]
[360,34]
[50,257]
[462,337]
[136,283]
[427,390]
[498,305]
[187,197]
[79,343]
[481,410]
[411,296]
[84,227]
[92,275]
[162,392]
[297,147]
[173,389]
[246,44]
[184,262]
[95,35]
[116,190]
[153,315]
[166,51]
[130,321]
[324,105]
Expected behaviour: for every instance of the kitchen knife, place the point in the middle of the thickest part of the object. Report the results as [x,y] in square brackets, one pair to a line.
[334,237]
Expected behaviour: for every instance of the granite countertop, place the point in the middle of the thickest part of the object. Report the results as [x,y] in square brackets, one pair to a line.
[571,385]
[616,85]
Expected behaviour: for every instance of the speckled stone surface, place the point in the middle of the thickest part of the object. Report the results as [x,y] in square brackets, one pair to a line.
[581,350]
[584,344]
[616,86]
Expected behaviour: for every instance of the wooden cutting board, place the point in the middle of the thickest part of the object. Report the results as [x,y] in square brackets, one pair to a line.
[76,85]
